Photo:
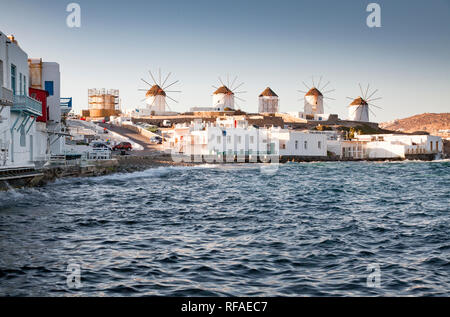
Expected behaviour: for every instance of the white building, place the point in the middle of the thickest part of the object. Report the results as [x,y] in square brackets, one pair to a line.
[223,98]
[232,136]
[18,111]
[391,146]
[46,76]
[358,110]
[268,101]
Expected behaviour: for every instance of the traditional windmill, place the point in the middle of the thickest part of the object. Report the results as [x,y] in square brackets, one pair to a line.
[155,97]
[268,101]
[314,97]
[224,97]
[359,109]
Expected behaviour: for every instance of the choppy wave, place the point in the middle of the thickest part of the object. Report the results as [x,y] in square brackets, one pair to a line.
[307,229]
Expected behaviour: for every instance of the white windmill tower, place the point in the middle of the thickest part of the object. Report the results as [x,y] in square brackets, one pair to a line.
[225,95]
[314,97]
[359,109]
[155,97]
[268,101]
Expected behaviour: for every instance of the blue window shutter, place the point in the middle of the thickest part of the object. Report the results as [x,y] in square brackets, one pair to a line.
[49,87]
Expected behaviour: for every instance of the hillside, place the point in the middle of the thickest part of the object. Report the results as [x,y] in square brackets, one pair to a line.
[428,122]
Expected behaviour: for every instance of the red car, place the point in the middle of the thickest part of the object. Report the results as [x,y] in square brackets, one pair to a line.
[123,146]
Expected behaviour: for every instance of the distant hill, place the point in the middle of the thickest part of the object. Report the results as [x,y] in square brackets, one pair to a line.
[427,122]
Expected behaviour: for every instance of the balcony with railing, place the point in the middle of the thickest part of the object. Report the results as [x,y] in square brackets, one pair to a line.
[27,105]
[66,104]
[6,97]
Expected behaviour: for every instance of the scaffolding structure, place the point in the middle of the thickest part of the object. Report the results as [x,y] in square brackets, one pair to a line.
[103,102]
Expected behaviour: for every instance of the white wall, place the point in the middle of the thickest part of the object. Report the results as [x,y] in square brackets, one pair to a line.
[50,72]
[269,104]
[223,101]
[313,104]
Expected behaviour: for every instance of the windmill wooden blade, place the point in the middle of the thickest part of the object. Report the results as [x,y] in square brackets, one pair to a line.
[168,75]
[356,109]
[326,85]
[239,98]
[171,99]
[167,105]
[238,86]
[304,92]
[360,88]
[371,104]
[232,83]
[313,81]
[239,92]
[220,79]
[159,77]
[326,92]
[172,90]
[367,91]
[328,98]
[350,98]
[170,84]
[150,72]
[373,93]
[374,99]
[142,89]
[318,85]
[372,112]
[305,85]
[146,82]
[215,87]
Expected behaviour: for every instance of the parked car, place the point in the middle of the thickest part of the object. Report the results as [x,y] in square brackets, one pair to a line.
[156,139]
[100,145]
[166,123]
[123,146]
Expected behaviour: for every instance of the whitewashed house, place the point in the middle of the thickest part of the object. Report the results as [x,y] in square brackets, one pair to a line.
[391,146]
[233,137]
[46,76]
[18,110]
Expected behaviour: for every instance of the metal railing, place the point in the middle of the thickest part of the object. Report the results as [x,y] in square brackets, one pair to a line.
[27,104]
[6,97]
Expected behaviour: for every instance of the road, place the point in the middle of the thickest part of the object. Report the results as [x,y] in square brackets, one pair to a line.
[135,137]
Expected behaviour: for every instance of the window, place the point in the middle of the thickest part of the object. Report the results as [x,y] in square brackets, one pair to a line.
[20,84]
[49,87]
[296,144]
[13,78]
[306,145]
[239,139]
[25,85]
[319,145]
[252,139]
[219,139]
[229,139]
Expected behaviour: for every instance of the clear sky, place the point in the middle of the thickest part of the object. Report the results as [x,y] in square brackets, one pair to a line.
[266,43]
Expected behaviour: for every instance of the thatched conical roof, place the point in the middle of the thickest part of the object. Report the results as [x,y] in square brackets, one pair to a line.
[223,90]
[268,93]
[359,102]
[155,91]
[314,92]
